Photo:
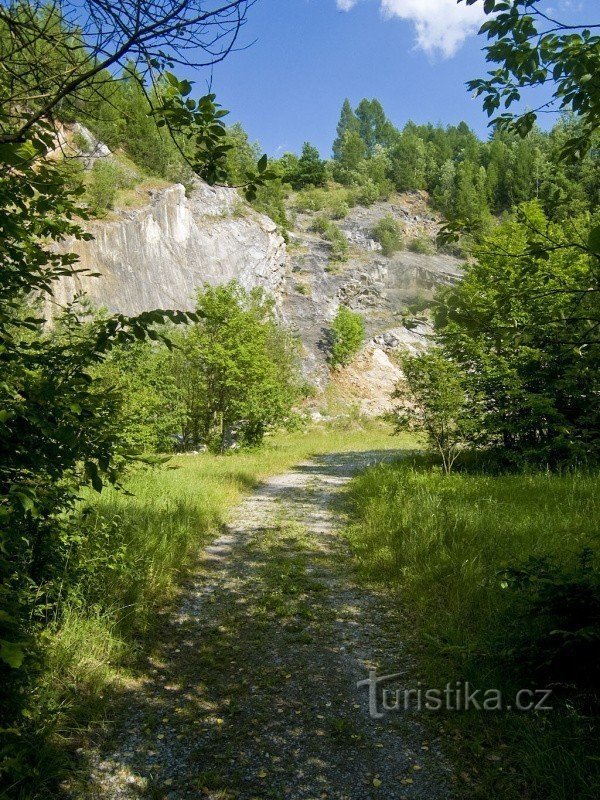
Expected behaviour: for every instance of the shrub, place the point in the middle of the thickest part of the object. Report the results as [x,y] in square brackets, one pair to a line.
[389,235]
[367,193]
[347,335]
[106,178]
[338,242]
[332,234]
[338,207]
[421,244]
[320,225]
[311,200]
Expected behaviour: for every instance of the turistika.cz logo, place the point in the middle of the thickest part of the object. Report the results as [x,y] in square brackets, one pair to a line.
[456,696]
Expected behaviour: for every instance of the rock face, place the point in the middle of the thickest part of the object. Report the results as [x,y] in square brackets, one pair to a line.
[377,287]
[156,256]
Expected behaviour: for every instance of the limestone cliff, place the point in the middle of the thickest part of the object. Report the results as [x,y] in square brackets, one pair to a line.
[157,255]
[377,286]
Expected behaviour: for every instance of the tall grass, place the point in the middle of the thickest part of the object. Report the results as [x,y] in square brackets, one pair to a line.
[138,544]
[442,544]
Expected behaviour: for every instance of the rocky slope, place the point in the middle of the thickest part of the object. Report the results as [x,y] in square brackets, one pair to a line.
[376,286]
[156,255]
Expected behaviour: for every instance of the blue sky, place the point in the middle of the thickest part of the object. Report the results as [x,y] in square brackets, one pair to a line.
[308,55]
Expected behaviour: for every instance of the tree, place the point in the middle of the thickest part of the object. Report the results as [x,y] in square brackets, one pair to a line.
[347,335]
[433,400]
[524,333]
[60,422]
[352,153]
[311,169]
[373,126]
[348,123]
[407,159]
[236,369]
[444,193]
[534,48]
[59,52]
[470,199]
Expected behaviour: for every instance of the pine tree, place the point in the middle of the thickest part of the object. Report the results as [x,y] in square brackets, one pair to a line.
[352,153]
[348,123]
[311,170]
[373,125]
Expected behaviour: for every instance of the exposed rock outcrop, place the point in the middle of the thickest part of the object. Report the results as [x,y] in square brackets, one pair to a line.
[377,286]
[156,256]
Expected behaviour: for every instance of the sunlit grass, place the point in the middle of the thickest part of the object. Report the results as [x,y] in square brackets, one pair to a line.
[440,545]
[140,544]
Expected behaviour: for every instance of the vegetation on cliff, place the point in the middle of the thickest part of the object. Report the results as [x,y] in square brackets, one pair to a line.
[80,402]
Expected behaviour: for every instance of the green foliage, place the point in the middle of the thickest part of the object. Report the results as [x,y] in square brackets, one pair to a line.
[533,49]
[338,208]
[433,400]
[60,427]
[348,123]
[125,120]
[338,243]
[201,123]
[337,240]
[562,646]
[346,336]
[408,162]
[388,232]
[373,127]
[523,326]
[497,574]
[152,408]
[309,170]
[351,154]
[421,244]
[235,369]
[106,178]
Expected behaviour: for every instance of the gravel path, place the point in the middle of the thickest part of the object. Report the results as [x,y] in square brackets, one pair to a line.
[252,691]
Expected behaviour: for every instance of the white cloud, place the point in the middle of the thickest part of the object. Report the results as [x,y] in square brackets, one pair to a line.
[440,25]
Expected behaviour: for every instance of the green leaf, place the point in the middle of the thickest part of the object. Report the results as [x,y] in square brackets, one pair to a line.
[594,240]
[91,470]
[12,653]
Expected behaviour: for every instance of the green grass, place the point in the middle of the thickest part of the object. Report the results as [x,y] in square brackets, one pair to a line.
[140,545]
[440,544]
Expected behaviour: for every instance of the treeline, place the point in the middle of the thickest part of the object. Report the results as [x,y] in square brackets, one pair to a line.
[468,180]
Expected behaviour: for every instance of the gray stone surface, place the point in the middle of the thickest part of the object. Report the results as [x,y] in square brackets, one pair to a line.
[156,256]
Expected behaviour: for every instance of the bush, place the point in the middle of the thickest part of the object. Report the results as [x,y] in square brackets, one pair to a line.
[310,200]
[347,335]
[338,207]
[338,242]
[335,237]
[107,176]
[389,235]
[421,244]
[320,225]
[367,193]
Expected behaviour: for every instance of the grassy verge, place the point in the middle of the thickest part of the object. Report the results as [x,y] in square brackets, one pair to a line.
[137,546]
[443,545]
